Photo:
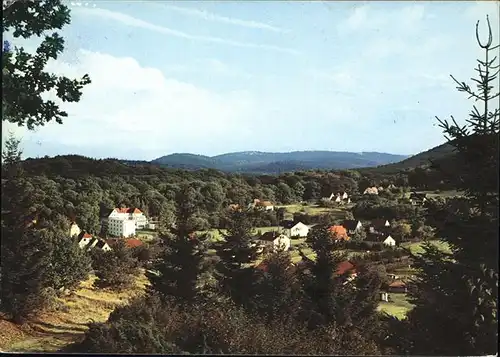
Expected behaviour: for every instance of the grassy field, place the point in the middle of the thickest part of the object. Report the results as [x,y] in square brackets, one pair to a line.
[398,307]
[416,248]
[313,210]
[433,194]
[146,236]
[51,331]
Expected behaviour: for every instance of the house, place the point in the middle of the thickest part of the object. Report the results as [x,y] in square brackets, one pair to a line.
[101,244]
[418,198]
[129,243]
[348,269]
[234,207]
[151,226]
[379,225]
[352,225]
[115,221]
[84,239]
[391,187]
[121,227]
[344,196]
[259,204]
[389,241]
[295,229]
[276,240]
[371,191]
[74,230]
[338,199]
[338,233]
[380,188]
[397,286]
[384,296]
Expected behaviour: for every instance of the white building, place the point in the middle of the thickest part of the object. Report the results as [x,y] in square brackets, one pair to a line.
[135,214]
[296,229]
[84,241]
[121,226]
[74,230]
[389,241]
[281,243]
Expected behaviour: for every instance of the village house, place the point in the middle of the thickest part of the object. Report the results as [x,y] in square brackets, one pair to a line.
[129,243]
[397,286]
[352,225]
[87,241]
[295,230]
[275,240]
[347,268]
[260,204]
[84,239]
[338,233]
[379,225]
[389,241]
[74,230]
[371,191]
[418,198]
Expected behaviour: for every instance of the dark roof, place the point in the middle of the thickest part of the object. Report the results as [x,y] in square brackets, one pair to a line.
[269,236]
[288,224]
[379,223]
[100,243]
[418,195]
[350,224]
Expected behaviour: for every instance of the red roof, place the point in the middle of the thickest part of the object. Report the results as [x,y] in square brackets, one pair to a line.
[86,235]
[338,232]
[345,266]
[132,243]
[128,210]
[397,284]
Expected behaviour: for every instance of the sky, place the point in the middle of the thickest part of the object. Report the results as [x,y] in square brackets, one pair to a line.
[214,77]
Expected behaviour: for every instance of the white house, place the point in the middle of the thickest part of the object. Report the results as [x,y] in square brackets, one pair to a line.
[121,226]
[74,230]
[296,229]
[371,191]
[84,240]
[103,245]
[282,242]
[338,199]
[135,214]
[345,196]
[389,241]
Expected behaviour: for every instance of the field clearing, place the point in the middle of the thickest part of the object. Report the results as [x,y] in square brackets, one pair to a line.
[54,330]
[434,194]
[315,210]
[146,236]
[416,248]
[398,307]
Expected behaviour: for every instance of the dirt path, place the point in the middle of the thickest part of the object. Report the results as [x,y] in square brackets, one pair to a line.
[51,331]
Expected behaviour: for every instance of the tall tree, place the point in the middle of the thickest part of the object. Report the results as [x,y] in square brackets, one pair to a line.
[24,250]
[183,266]
[236,251]
[24,80]
[456,294]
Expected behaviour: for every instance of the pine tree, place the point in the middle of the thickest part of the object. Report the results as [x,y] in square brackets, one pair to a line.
[236,252]
[183,268]
[24,250]
[456,294]
[278,289]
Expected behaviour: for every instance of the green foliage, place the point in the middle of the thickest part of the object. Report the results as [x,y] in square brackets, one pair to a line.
[236,251]
[456,294]
[115,269]
[183,267]
[24,80]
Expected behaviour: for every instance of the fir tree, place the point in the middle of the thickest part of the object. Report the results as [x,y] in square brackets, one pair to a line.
[183,268]
[236,252]
[456,294]
[24,250]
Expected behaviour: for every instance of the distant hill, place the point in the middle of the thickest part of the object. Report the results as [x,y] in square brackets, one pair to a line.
[443,152]
[272,163]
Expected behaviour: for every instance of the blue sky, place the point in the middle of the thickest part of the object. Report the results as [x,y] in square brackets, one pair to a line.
[215,77]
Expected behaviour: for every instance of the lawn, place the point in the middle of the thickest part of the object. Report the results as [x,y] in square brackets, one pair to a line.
[398,307]
[416,248]
[314,210]
[146,235]
[53,330]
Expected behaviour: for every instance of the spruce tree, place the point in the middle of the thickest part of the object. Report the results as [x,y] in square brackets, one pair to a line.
[25,251]
[183,268]
[237,252]
[456,294]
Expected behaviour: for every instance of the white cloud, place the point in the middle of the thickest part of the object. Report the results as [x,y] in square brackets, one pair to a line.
[135,22]
[128,105]
[211,66]
[223,19]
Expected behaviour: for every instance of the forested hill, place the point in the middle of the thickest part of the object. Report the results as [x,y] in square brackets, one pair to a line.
[273,163]
[438,155]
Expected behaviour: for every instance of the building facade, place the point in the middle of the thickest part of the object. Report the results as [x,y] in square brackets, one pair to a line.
[121,226]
